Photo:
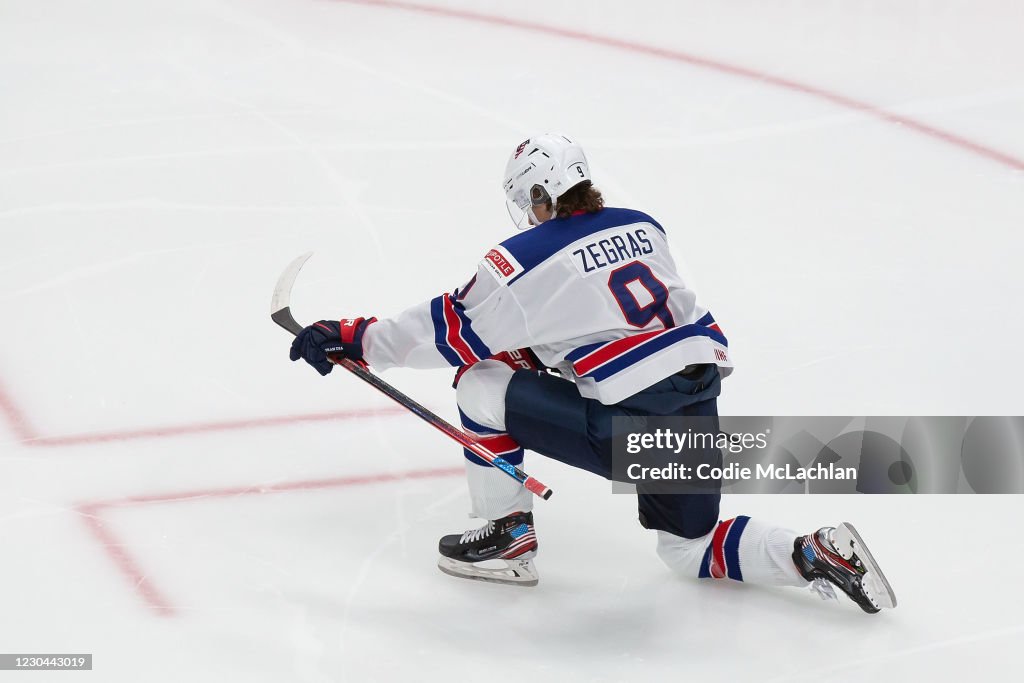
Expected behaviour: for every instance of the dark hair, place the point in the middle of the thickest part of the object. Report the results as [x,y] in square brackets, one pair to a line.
[583,197]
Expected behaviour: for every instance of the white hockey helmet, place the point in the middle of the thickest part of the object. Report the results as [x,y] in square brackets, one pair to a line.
[540,170]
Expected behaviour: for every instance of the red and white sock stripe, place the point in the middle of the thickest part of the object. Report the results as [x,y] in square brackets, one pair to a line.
[499,444]
[718,568]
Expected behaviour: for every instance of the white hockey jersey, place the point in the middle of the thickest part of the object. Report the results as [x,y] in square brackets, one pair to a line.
[595,296]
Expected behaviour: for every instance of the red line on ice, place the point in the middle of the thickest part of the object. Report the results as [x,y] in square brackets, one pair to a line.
[27,435]
[131,569]
[91,512]
[118,553]
[17,420]
[714,65]
[206,427]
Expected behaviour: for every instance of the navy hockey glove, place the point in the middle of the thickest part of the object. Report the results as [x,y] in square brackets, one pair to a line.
[320,341]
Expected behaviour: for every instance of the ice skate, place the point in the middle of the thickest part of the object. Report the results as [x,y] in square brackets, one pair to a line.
[501,551]
[838,555]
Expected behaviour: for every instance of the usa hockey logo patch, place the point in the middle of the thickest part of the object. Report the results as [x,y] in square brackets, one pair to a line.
[502,265]
[521,148]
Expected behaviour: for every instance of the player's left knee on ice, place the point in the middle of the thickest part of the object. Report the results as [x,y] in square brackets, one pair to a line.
[481,393]
[682,555]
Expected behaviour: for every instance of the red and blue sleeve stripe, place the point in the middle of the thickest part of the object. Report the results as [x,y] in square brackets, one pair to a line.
[453,333]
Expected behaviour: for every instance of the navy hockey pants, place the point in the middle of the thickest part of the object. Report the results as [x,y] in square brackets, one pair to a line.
[546,414]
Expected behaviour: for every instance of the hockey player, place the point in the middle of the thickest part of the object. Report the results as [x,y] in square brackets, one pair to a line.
[592,293]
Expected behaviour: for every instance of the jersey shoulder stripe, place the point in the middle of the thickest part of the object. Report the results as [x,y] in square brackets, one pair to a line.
[533,247]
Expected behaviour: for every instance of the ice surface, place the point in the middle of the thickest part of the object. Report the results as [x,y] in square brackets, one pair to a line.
[843,182]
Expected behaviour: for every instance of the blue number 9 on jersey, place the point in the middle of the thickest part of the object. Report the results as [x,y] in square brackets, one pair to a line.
[636,314]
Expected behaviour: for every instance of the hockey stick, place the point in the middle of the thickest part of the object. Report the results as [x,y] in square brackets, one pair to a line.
[281,313]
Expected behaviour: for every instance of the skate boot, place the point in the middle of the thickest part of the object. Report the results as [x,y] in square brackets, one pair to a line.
[838,555]
[501,551]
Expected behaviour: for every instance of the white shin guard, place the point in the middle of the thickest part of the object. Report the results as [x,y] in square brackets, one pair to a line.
[481,398]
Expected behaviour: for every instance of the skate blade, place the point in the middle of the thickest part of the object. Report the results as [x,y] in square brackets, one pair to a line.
[517,572]
[874,583]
